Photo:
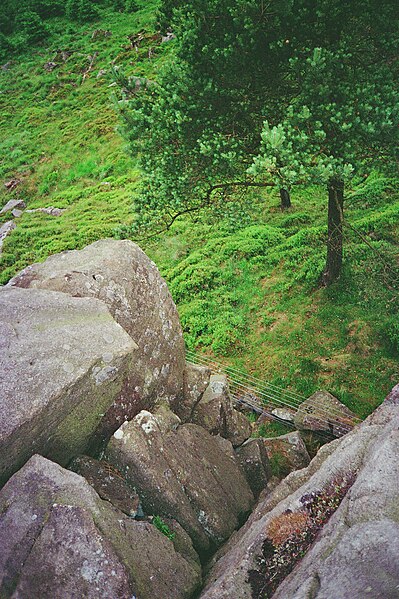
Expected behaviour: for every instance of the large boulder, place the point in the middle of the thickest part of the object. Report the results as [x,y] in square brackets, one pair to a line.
[59,539]
[125,279]
[63,362]
[182,472]
[286,453]
[323,412]
[215,412]
[341,512]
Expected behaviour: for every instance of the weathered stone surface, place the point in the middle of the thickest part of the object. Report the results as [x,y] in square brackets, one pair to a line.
[356,553]
[59,539]
[109,483]
[196,380]
[11,205]
[215,413]
[122,276]
[50,210]
[255,464]
[17,213]
[287,452]
[5,230]
[284,414]
[184,474]
[63,362]
[323,412]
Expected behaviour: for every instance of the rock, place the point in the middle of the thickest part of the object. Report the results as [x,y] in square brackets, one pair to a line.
[168,37]
[11,205]
[59,539]
[182,542]
[17,213]
[248,403]
[215,412]
[50,210]
[286,453]
[63,362]
[184,474]
[196,380]
[323,412]
[255,463]
[283,414]
[50,66]
[100,33]
[12,184]
[5,230]
[351,553]
[109,484]
[122,276]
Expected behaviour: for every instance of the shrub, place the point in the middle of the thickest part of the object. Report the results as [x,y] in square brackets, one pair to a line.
[81,10]
[30,25]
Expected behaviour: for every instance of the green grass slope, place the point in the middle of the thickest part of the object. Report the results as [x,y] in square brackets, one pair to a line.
[245,281]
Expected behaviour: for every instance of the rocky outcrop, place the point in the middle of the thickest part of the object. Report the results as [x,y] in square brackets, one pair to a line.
[323,412]
[63,362]
[59,539]
[287,453]
[180,471]
[124,278]
[350,491]
[196,380]
[215,412]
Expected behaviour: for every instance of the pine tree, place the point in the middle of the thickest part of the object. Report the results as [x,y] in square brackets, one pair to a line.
[317,78]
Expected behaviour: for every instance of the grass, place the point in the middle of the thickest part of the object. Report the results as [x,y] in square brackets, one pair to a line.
[246,286]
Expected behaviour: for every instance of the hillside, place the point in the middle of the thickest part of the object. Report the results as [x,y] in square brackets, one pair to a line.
[246,282]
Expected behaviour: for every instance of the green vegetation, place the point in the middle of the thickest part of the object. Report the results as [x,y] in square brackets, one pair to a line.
[163,527]
[307,70]
[243,272]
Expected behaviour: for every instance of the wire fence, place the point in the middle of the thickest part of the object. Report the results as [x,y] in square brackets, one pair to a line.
[264,398]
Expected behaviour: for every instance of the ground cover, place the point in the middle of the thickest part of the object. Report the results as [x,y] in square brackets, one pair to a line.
[245,275]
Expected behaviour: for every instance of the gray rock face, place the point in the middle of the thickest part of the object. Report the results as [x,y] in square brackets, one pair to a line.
[323,412]
[181,472]
[122,276]
[59,539]
[215,413]
[355,555]
[11,205]
[196,380]
[63,362]
[287,452]
[254,461]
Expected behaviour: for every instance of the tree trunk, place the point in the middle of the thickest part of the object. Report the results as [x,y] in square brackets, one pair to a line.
[285,199]
[334,242]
